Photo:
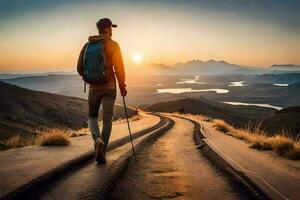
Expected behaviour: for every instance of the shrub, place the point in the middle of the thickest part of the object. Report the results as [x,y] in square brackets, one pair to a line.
[222,126]
[54,137]
[259,141]
[72,134]
[263,146]
[242,134]
[77,134]
[281,144]
[16,141]
[3,146]
[294,154]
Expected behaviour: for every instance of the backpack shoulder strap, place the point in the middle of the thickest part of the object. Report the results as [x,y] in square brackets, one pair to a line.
[104,43]
[85,47]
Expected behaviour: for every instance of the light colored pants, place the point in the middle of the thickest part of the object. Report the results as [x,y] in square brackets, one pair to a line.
[107,97]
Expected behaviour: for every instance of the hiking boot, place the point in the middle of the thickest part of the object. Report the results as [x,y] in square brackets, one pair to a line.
[99,149]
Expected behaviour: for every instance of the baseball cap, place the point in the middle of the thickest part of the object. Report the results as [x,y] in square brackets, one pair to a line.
[104,23]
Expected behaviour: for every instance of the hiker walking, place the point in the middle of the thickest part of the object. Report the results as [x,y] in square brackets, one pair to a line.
[99,61]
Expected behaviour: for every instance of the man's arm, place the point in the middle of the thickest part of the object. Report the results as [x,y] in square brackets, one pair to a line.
[119,67]
[80,65]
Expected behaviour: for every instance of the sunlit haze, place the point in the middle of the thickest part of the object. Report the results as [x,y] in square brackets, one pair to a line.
[49,36]
[137,57]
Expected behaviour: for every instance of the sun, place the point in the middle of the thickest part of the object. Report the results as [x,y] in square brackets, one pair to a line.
[137,57]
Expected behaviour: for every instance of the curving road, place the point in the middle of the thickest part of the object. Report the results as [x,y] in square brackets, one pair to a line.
[169,166]
[172,168]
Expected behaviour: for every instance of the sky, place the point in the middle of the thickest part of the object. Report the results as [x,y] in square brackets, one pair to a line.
[40,35]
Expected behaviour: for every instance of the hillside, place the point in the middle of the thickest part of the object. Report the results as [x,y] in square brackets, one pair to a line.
[289,78]
[236,115]
[287,119]
[272,121]
[142,90]
[286,67]
[22,111]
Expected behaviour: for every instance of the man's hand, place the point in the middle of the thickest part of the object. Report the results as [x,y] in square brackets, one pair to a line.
[123,92]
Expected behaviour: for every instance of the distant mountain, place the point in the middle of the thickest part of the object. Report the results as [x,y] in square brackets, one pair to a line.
[69,85]
[283,68]
[159,69]
[285,65]
[236,115]
[22,111]
[192,67]
[287,119]
[214,67]
[210,67]
[159,66]
[10,76]
[4,76]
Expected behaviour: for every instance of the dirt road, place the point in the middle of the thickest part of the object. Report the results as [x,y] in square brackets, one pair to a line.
[172,168]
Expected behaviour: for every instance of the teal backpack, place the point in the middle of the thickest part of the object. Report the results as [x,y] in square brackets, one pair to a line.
[95,69]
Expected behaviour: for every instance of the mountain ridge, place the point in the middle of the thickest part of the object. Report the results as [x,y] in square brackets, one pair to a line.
[199,61]
[23,111]
[190,67]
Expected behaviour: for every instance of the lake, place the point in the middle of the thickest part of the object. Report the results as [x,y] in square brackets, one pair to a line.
[191,81]
[237,84]
[184,90]
[281,84]
[252,104]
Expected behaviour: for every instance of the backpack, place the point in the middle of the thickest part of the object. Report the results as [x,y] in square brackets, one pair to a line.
[95,69]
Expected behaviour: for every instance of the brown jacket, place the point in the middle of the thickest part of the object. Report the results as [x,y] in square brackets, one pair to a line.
[114,62]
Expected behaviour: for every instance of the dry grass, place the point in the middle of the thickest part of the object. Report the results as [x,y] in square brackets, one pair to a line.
[51,137]
[78,134]
[16,142]
[222,126]
[54,137]
[122,120]
[259,142]
[242,134]
[282,143]
[194,117]
[294,154]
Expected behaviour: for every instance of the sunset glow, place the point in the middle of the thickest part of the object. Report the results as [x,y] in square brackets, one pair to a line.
[51,39]
[137,58]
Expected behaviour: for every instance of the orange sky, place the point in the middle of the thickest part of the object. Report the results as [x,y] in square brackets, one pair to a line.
[51,40]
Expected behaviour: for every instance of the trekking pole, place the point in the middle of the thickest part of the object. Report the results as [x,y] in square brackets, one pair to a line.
[129,128]
[84,87]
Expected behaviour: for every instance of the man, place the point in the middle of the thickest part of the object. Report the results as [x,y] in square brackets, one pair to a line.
[104,93]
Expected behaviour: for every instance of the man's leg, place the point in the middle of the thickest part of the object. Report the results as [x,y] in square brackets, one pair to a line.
[94,104]
[108,102]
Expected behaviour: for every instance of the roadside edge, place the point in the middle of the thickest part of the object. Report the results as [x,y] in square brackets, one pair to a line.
[238,180]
